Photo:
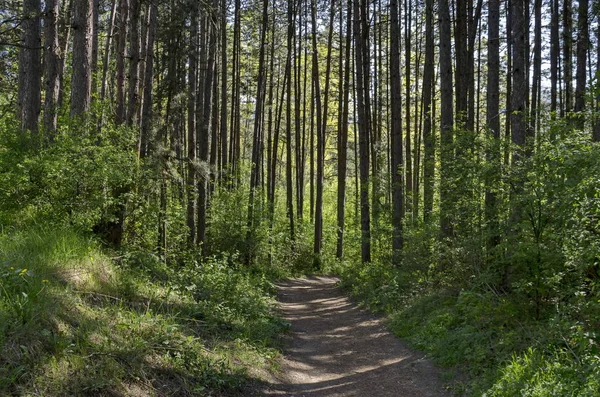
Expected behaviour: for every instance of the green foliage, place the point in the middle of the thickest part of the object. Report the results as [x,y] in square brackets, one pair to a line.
[79,178]
[519,318]
[73,322]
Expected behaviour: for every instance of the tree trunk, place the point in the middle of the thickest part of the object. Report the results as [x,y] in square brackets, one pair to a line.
[519,29]
[123,23]
[81,81]
[134,63]
[554,54]
[288,123]
[396,133]
[343,136]
[191,114]
[407,71]
[361,36]
[428,137]
[568,53]
[146,122]
[224,62]
[582,49]
[52,63]
[447,120]
[493,121]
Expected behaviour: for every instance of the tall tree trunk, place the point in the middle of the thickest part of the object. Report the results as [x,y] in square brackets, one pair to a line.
[361,35]
[288,122]
[134,62]
[191,114]
[297,114]
[568,53]
[224,62]
[407,71]
[596,133]
[203,133]
[235,94]
[537,66]
[447,120]
[52,62]
[396,133]
[123,23]
[554,54]
[146,122]
[428,137]
[582,49]
[107,50]
[81,81]
[95,38]
[519,29]
[493,121]
[343,135]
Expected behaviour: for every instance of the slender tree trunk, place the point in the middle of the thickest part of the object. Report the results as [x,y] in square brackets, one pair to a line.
[554,54]
[519,30]
[428,137]
[52,61]
[146,122]
[95,37]
[568,53]
[343,135]
[288,127]
[596,133]
[107,50]
[224,62]
[81,81]
[361,36]
[537,65]
[447,120]
[396,133]
[582,49]
[235,93]
[493,121]
[123,23]
[134,62]
[191,114]
[203,133]
[407,71]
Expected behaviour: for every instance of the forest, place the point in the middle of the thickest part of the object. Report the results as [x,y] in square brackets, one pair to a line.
[164,164]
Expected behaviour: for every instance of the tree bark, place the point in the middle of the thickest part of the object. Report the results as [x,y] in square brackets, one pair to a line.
[361,35]
[146,122]
[493,121]
[396,133]
[52,61]
[428,137]
[81,81]
[134,63]
[343,136]
[123,23]
[447,120]
[582,49]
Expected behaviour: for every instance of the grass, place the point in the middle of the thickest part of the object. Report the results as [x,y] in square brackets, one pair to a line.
[76,320]
[489,344]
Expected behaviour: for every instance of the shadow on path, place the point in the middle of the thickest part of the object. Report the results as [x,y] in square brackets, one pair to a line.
[338,349]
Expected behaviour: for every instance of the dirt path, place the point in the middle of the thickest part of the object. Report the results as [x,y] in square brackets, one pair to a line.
[339,349]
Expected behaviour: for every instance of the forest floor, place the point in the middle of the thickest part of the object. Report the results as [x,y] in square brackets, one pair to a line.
[336,348]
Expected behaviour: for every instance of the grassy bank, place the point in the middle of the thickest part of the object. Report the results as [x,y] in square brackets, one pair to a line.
[490,344]
[76,319]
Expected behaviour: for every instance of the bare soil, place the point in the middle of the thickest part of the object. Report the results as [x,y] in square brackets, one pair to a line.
[336,348]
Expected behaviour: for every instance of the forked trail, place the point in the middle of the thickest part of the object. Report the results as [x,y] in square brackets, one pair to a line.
[336,348]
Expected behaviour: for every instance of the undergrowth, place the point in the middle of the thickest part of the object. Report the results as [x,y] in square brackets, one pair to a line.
[76,320]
